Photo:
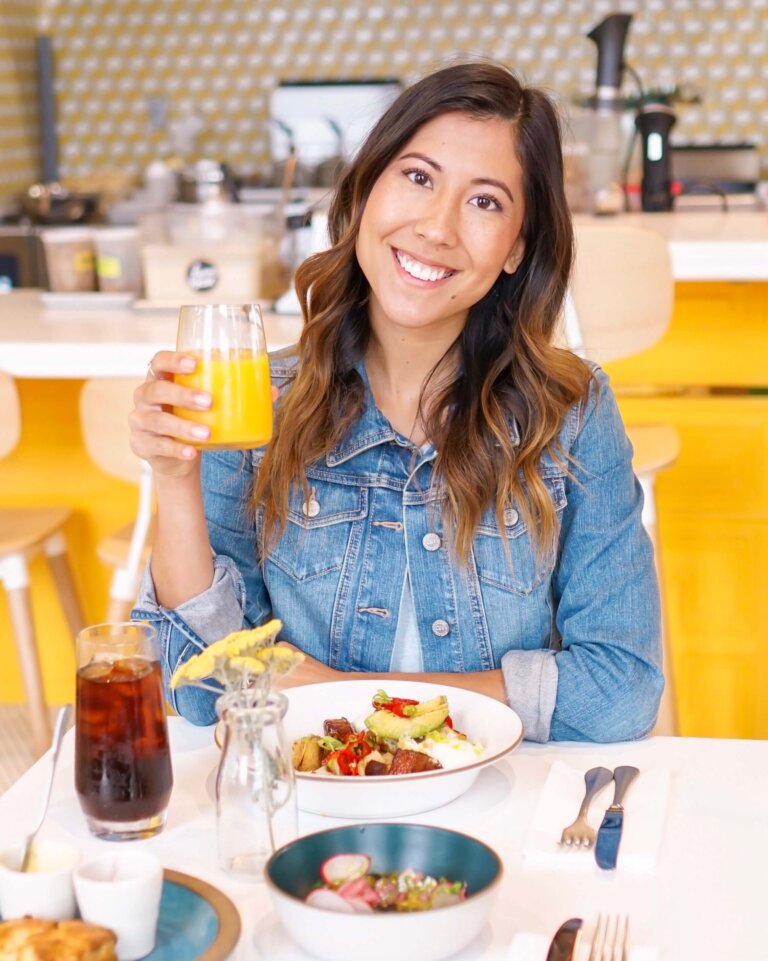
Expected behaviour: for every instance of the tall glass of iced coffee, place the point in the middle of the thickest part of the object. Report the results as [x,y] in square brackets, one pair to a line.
[123,775]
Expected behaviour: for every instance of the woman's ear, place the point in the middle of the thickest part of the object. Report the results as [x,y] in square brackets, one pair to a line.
[515,257]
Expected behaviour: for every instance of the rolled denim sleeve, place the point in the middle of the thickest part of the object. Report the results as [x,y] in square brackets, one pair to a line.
[609,675]
[530,680]
[602,679]
[236,597]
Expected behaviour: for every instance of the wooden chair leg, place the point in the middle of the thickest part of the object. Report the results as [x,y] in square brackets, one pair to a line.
[61,569]
[20,607]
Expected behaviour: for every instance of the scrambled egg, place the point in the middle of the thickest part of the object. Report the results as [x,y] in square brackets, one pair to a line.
[452,750]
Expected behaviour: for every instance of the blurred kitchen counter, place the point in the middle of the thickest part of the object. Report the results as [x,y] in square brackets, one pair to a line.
[41,341]
[707,245]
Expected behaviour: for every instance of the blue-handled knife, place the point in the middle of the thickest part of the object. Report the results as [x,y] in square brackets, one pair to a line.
[565,941]
[609,835]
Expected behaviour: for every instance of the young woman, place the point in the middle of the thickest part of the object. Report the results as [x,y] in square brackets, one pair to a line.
[447,495]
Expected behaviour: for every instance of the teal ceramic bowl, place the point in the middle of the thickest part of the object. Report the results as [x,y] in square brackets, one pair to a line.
[427,935]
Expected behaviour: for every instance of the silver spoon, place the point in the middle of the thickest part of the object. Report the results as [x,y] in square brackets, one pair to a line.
[58,733]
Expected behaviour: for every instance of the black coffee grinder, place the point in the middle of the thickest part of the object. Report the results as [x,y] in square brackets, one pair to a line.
[609,36]
[654,121]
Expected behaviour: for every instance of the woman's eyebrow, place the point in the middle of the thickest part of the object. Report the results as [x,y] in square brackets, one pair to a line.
[478,181]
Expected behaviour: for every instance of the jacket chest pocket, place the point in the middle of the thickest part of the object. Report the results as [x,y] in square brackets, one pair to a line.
[320,529]
[518,569]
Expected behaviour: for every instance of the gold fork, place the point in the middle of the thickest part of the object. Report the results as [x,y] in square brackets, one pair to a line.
[581,833]
[610,942]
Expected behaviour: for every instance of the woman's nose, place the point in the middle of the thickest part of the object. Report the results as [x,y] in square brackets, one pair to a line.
[438,222]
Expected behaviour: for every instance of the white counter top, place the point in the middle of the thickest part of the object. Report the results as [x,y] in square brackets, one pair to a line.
[40,341]
[709,245]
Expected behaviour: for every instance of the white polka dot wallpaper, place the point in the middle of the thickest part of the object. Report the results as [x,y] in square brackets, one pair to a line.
[129,72]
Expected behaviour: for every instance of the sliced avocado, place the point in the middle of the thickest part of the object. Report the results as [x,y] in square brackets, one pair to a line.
[427,707]
[389,726]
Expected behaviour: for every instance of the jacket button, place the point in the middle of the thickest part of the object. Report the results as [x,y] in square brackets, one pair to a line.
[511,517]
[431,541]
[440,628]
[310,508]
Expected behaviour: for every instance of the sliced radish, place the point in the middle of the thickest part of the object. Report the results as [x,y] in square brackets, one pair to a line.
[344,867]
[358,889]
[329,901]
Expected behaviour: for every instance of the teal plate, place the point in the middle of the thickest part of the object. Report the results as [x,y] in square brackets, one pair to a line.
[197,921]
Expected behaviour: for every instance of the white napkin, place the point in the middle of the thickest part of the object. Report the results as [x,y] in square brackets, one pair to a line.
[645,806]
[528,946]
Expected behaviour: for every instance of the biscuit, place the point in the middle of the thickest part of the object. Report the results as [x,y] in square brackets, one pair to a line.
[30,939]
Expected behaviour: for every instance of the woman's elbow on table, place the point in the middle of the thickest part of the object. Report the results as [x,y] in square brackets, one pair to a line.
[626,714]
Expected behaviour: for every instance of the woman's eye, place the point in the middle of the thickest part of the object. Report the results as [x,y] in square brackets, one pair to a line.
[486,202]
[419,177]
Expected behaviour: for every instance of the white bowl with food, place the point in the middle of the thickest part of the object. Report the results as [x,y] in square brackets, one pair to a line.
[384,891]
[422,763]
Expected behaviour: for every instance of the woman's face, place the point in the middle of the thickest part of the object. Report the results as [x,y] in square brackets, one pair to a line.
[441,223]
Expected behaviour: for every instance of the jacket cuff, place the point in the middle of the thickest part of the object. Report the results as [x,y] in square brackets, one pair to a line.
[212,614]
[530,679]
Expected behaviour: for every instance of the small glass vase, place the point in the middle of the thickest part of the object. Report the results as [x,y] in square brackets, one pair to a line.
[255,787]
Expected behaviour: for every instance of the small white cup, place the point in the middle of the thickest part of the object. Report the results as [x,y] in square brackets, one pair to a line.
[44,891]
[122,891]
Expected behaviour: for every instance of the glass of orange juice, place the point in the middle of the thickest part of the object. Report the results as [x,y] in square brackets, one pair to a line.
[232,365]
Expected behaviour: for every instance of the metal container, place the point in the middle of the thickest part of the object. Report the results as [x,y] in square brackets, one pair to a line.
[52,204]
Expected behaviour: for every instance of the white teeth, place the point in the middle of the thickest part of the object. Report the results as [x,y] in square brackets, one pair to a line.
[418,270]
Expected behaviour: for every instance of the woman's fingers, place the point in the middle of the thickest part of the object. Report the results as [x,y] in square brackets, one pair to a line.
[159,435]
[166,363]
[158,450]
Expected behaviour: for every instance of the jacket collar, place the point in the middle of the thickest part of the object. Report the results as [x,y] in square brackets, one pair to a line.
[372,428]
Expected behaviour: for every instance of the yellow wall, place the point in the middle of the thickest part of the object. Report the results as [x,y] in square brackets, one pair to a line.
[19,143]
[711,369]
[51,467]
[223,58]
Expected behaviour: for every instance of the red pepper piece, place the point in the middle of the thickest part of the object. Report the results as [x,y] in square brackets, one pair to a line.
[396,705]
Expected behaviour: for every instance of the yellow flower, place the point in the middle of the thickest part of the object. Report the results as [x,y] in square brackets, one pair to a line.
[195,669]
[240,654]
[280,659]
[249,665]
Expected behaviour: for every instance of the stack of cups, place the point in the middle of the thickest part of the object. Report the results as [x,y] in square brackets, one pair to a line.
[118,261]
[69,258]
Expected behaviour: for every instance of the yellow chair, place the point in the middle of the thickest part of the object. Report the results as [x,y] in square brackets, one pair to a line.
[619,304]
[27,532]
[104,408]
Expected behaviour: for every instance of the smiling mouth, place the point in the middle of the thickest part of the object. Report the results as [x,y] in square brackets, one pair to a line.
[420,271]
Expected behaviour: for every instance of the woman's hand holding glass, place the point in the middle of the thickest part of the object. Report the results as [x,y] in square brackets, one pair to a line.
[213,392]
[160,433]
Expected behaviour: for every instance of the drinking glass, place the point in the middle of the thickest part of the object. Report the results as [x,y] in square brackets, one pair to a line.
[123,776]
[232,365]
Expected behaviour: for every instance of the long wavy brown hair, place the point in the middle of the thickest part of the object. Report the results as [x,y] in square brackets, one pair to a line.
[502,367]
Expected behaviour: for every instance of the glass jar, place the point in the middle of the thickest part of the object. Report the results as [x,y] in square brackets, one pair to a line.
[255,787]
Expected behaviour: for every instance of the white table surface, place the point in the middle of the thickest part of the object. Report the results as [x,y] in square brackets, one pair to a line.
[704,902]
[40,341]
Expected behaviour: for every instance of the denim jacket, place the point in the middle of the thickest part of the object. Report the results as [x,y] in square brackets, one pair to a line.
[576,632]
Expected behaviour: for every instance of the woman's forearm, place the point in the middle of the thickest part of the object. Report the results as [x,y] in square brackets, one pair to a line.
[182,561]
